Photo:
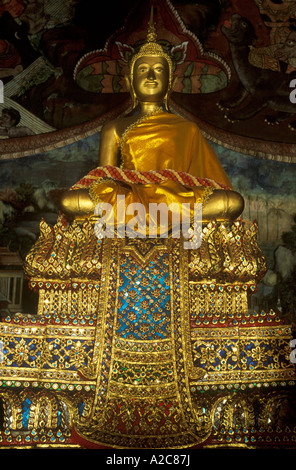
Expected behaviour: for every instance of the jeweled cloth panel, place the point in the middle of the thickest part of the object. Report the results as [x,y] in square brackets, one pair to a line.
[142,395]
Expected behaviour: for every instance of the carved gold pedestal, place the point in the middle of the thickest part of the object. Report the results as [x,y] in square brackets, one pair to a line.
[144,344]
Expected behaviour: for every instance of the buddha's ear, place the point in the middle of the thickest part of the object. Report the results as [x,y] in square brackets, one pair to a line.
[167,96]
[174,81]
[127,80]
[129,87]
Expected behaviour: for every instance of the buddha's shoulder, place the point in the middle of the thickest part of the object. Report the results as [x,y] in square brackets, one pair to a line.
[117,126]
[184,123]
[110,126]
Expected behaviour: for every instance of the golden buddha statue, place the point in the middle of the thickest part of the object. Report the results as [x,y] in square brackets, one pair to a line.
[155,139]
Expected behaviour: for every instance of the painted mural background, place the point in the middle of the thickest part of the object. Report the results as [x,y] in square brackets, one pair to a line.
[62,66]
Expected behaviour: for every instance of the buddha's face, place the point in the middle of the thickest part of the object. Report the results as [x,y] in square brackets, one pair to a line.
[151,78]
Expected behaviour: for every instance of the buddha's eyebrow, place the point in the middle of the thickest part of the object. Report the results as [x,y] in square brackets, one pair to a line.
[158,64]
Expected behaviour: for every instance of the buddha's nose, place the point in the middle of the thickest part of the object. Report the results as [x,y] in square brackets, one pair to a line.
[151,74]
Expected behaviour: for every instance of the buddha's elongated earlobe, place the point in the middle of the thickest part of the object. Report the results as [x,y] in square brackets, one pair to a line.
[134,97]
[165,101]
[128,83]
[130,88]
[174,81]
[135,101]
[170,90]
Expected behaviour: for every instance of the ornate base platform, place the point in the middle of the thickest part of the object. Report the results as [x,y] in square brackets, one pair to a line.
[144,344]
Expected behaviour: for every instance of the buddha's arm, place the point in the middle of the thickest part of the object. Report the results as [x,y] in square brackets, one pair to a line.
[222,204]
[109,146]
[79,203]
[204,161]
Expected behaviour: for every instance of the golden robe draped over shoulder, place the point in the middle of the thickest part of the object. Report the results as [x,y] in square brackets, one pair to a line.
[158,142]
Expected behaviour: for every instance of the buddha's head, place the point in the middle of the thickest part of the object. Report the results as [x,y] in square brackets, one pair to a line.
[151,71]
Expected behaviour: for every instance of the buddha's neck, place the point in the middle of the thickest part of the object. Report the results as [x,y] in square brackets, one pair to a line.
[148,108]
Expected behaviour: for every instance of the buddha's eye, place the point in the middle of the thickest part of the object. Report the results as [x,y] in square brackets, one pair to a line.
[142,68]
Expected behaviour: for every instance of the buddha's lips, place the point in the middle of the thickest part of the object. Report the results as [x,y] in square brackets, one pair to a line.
[151,84]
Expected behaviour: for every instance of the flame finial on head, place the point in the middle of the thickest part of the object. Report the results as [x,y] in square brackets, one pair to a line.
[151,33]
